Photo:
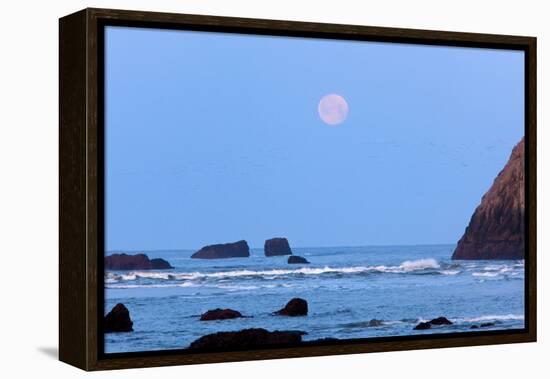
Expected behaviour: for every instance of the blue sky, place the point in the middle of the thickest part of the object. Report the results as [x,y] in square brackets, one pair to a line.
[214,138]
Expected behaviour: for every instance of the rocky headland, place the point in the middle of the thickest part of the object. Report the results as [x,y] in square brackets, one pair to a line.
[497,227]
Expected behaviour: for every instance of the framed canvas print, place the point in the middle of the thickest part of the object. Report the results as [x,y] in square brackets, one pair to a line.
[237,189]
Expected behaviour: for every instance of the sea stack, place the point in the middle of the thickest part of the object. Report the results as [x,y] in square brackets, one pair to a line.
[134,262]
[277,246]
[237,249]
[118,320]
[497,227]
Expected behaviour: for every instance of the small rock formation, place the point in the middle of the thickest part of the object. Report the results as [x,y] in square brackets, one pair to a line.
[134,262]
[118,320]
[220,314]
[483,325]
[423,326]
[435,322]
[441,321]
[160,264]
[295,259]
[497,227]
[277,246]
[295,307]
[237,249]
[247,338]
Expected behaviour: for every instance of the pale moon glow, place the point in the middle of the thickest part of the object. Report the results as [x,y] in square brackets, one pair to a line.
[333,109]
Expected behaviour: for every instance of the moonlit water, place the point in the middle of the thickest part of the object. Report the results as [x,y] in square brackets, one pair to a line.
[345,288]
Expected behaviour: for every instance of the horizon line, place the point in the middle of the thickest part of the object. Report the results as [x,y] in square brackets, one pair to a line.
[292,247]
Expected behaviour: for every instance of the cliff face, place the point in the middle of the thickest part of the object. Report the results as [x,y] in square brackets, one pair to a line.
[497,227]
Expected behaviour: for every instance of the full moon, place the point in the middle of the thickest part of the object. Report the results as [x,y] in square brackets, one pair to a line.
[333,109]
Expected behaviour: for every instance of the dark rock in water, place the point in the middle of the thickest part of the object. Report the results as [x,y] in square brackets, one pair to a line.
[160,264]
[497,228]
[293,259]
[237,249]
[483,325]
[423,326]
[435,322]
[277,246]
[220,314]
[374,323]
[118,320]
[247,338]
[441,321]
[134,262]
[295,307]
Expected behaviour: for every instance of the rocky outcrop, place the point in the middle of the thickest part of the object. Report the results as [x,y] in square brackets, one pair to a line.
[295,259]
[295,307]
[220,314]
[277,246]
[247,338]
[160,264]
[435,322]
[497,227]
[237,249]
[423,326]
[135,262]
[118,320]
[483,325]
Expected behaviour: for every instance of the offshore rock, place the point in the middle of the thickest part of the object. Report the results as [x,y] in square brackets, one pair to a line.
[237,249]
[134,262]
[277,246]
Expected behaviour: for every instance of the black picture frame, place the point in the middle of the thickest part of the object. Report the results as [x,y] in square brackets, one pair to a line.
[81,163]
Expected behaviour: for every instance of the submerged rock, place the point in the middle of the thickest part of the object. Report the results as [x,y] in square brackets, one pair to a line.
[118,320]
[374,323]
[497,227]
[483,325]
[237,249]
[277,246]
[294,259]
[247,338]
[220,314]
[295,307]
[134,262]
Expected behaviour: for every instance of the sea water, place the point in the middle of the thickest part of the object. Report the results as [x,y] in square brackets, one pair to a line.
[345,287]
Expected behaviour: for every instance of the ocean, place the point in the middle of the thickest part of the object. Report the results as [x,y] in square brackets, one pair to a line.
[345,287]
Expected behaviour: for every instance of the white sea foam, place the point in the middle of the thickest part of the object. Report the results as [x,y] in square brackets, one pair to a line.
[486,274]
[450,272]
[405,267]
[495,318]
[130,286]
[419,264]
